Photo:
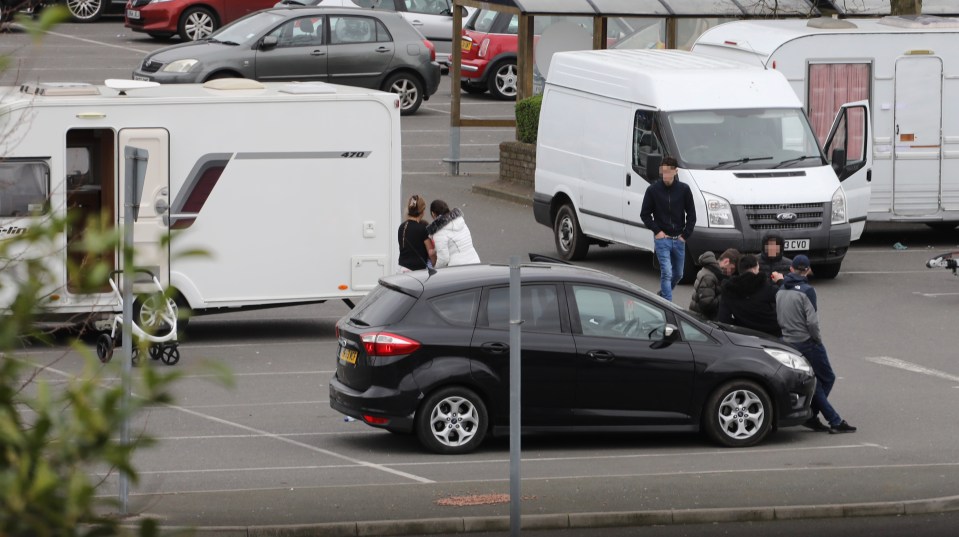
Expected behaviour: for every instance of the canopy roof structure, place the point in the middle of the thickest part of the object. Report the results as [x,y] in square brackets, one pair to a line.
[654,8]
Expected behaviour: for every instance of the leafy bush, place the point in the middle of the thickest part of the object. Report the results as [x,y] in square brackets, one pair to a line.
[527,118]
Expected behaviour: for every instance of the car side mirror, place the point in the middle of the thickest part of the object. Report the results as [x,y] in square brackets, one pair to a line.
[653,161]
[838,160]
[670,333]
[269,42]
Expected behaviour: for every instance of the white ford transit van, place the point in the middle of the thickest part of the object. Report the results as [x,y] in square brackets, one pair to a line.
[739,133]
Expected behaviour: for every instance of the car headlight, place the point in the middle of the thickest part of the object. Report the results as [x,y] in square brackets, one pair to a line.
[790,359]
[838,207]
[719,212]
[180,66]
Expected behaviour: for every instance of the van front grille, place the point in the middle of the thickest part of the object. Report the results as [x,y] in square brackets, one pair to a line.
[774,216]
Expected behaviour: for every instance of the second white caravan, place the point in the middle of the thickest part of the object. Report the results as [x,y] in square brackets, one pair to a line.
[906,67]
[743,144]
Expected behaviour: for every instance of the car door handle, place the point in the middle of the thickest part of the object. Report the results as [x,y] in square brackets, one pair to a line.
[383,49]
[629,180]
[869,176]
[417,22]
[601,356]
[318,53]
[495,347]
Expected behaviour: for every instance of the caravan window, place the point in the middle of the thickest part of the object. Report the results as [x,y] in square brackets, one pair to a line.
[24,188]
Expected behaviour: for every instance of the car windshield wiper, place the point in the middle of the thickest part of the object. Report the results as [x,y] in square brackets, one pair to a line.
[794,160]
[743,160]
[215,40]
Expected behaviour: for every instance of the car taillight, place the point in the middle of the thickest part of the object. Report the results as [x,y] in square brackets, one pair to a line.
[483,47]
[432,48]
[386,344]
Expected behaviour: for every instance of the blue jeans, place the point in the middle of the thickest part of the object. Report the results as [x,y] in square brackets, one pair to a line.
[671,254]
[825,378]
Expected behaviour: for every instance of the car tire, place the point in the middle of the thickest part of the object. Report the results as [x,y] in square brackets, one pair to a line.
[87,10]
[571,243]
[503,81]
[409,89]
[738,414]
[471,88]
[161,36]
[452,421]
[827,271]
[197,23]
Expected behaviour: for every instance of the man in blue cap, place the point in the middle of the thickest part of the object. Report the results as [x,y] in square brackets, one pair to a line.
[797,313]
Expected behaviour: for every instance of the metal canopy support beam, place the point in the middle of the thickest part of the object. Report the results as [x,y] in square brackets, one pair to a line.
[524,58]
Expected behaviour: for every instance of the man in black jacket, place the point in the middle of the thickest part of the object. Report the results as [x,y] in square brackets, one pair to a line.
[669,212]
[771,258]
[749,299]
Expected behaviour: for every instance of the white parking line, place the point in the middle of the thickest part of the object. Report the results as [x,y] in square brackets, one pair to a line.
[934,295]
[101,43]
[237,405]
[290,441]
[909,366]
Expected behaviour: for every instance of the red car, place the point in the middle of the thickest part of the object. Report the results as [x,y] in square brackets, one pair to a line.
[191,19]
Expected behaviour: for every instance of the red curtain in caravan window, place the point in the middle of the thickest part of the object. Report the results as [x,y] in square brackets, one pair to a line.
[832,85]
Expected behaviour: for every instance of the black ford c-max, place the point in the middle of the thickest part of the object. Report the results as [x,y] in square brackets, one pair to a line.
[429,353]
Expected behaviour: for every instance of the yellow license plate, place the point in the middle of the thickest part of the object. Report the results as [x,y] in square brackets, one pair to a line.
[348,355]
[465,45]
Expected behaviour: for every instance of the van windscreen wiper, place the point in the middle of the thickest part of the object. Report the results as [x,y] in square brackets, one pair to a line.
[743,160]
[794,160]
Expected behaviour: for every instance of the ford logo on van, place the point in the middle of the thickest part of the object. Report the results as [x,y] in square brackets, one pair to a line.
[786,217]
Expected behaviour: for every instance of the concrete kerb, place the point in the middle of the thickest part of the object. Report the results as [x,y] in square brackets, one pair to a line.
[588,520]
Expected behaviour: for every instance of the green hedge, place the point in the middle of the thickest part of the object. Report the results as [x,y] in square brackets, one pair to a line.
[527,118]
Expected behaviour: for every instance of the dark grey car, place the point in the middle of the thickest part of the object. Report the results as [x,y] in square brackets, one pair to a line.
[350,46]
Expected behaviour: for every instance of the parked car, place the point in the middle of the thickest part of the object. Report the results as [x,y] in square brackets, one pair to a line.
[92,10]
[428,352]
[433,18]
[350,46]
[490,41]
[192,20]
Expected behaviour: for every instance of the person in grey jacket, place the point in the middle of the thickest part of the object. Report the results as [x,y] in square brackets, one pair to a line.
[797,313]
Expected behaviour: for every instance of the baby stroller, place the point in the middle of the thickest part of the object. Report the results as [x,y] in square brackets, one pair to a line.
[157,316]
[949,260]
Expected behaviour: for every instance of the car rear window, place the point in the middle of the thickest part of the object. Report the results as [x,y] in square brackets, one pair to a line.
[383,306]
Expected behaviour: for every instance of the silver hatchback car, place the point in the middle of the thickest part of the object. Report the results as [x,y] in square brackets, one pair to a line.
[350,46]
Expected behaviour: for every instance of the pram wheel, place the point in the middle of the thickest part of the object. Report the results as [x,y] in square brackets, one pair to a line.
[135,358]
[104,348]
[155,352]
[170,355]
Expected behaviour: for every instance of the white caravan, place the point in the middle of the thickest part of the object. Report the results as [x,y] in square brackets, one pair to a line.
[743,144]
[292,190]
[906,67]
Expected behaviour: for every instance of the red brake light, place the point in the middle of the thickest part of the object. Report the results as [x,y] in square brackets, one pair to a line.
[386,344]
[432,48]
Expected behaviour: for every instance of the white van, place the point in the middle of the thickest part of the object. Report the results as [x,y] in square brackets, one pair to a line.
[293,190]
[907,67]
[739,133]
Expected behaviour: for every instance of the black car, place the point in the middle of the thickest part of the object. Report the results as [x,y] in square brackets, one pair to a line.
[428,352]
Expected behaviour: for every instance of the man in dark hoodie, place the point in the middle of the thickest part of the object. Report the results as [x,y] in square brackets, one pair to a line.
[797,311]
[749,299]
[669,212]
[771,258]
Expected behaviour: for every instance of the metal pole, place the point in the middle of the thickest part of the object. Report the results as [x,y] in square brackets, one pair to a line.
[127,332]
[515,311]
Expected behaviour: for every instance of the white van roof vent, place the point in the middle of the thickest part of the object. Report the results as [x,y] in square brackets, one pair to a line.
[920,21]
[53,89]
[233,84]
[829,23]
[300,88]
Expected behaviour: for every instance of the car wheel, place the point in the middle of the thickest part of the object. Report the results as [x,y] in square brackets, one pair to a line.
[86,10]
[738,414]
[471,88]
[452,421]
[503,80]
[571,243]
[197,23]
[409,89]
[827,271]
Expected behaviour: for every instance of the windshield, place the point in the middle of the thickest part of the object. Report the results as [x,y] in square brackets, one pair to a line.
[744,139]
[247,28]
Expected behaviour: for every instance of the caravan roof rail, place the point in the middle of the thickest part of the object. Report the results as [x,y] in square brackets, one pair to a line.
[56,89]
[920,21]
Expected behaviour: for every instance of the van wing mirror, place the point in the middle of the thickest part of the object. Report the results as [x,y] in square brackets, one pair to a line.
[653,161]
[269,41]
[838,160]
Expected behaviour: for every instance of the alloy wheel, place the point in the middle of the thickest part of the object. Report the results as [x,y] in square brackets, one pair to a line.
[741,414]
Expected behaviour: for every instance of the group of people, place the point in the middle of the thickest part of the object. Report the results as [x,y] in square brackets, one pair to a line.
[771,293]
[446,241]
[768,293]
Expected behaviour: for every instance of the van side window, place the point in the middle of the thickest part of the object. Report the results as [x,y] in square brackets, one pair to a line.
[646,141]
[24,188]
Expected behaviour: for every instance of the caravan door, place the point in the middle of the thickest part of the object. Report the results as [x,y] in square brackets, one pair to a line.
[152,227]
[917,142]
[852,132]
